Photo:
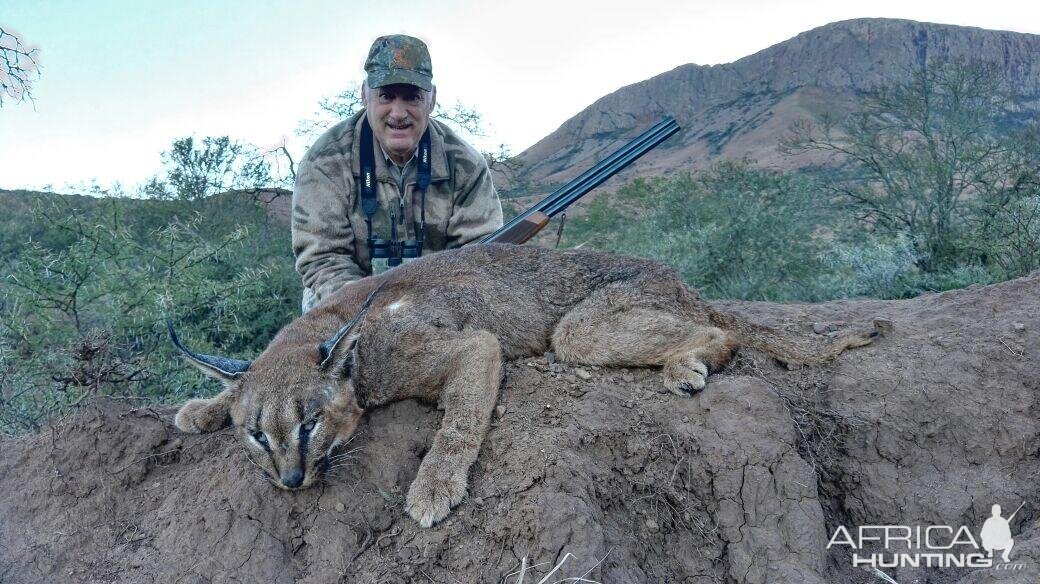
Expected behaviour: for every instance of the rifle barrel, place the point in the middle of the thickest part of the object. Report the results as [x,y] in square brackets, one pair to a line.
[578,187]
[627,157]
[1016,512]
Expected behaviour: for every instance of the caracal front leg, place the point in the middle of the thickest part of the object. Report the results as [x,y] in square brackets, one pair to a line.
[468,397]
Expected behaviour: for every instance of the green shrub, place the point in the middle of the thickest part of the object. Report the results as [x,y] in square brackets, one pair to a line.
[83,311]
[732,231]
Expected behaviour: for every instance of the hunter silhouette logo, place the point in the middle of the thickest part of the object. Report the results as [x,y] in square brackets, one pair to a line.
[996,533]
[931,546]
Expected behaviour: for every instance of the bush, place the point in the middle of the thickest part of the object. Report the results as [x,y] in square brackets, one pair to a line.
[732,231]
[83,311]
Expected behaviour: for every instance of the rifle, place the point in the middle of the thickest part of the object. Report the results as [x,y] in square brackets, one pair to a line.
[527,224]
[1016,512]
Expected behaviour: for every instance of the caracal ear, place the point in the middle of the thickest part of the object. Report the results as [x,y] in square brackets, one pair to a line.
[222,369]
[342,357]
[197,416]
[337,353]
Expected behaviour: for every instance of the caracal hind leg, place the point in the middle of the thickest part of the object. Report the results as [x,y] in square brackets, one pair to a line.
[686,368]
[469,396]
[606,329]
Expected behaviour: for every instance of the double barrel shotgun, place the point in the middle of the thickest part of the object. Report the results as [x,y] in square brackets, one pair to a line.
[527,224]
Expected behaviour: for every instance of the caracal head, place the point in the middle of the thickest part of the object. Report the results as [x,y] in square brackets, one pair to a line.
[291,408]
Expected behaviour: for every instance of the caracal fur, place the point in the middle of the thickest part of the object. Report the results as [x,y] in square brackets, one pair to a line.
[438,329]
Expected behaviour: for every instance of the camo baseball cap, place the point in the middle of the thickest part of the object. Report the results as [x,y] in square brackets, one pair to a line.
[398,58]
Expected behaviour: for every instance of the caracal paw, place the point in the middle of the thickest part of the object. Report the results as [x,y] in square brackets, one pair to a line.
[431,499]
[686,378]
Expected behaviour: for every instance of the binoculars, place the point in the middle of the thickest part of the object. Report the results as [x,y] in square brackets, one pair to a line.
[387,253]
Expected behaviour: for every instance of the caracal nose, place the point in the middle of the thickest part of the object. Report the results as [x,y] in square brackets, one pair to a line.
[293,478]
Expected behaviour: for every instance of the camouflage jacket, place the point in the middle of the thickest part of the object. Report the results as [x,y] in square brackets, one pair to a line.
[329,233]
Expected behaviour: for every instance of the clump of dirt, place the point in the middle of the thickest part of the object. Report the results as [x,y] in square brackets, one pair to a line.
[595,473]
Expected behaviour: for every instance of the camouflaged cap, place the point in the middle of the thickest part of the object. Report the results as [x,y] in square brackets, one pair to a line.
[329,234]
[398,58]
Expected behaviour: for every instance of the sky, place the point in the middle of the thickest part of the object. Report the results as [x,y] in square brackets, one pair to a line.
[122,79]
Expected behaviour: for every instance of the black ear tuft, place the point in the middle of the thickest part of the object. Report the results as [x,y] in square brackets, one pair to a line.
[333,346]
[221,368]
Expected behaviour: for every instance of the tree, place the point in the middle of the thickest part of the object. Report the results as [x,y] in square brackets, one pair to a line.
[19,67]
[935,160]
[197,170]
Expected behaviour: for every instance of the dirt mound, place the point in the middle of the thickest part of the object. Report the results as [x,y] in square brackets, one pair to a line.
[594,469]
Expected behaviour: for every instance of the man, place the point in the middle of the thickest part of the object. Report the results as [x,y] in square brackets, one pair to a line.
[336,221]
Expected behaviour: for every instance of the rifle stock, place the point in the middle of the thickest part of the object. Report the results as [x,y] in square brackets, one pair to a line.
[523,231]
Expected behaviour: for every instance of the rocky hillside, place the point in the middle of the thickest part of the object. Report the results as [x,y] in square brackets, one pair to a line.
[596,471]
[740,109]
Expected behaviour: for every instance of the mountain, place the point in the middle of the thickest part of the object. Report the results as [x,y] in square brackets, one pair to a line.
[741,109]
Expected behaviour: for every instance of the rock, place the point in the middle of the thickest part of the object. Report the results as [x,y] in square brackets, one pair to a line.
[379,520]
[883,325]
[408,554]
[500,411]
[550,357]
[585,375]
[822,328]
[1019,327]
[340,507]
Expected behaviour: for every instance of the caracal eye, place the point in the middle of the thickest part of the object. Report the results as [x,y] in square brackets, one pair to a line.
[306,428]
[259,436]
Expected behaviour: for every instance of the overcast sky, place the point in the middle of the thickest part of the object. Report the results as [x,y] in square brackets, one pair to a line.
[124,78]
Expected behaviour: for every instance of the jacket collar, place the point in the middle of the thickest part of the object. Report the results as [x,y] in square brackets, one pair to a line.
[438,157]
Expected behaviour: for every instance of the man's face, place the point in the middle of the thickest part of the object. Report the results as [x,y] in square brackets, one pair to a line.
[398,115]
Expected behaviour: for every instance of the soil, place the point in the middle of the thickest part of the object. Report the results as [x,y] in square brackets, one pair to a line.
[594,472]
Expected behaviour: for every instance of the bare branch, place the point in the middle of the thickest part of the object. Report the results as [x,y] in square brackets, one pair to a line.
[19,67]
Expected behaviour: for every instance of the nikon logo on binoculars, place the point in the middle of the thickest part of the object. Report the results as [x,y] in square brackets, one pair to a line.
[930,546]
